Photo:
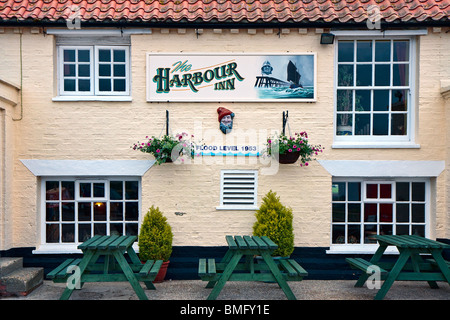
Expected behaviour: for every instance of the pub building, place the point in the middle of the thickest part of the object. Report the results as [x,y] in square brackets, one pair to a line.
[85,85]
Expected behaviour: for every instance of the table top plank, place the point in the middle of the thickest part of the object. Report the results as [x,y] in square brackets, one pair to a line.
[231,243]
[128,241]
[88,242]
[261,244]
[97,242]
[106,243]
[250,242]
[411,241]
[272,245]
[240,242]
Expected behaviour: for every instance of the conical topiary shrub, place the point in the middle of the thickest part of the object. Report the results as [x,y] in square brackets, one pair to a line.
[274,220]
[155,237]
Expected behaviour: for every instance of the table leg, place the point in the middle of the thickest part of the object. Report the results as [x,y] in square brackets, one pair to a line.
[130,275]
[278,276]
[437,255]
[393,274]
[225,276]
[416,260]
[374,260]
[86,260]
[225,260]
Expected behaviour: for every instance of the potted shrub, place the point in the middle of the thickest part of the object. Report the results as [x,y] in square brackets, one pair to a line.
[155,240]
[290,149]
[167,148]
[274,220]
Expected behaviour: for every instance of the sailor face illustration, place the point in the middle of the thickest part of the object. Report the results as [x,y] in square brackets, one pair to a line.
[225,119]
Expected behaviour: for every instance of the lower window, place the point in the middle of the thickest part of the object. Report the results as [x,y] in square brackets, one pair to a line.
[75,210]
[364,208]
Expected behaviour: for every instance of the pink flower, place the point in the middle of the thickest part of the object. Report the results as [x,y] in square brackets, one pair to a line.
[270,141]
[295,147]
[290,150]
[298,149]
[158,151]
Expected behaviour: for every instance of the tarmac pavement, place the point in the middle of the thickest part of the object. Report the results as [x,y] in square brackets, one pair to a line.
[195,290]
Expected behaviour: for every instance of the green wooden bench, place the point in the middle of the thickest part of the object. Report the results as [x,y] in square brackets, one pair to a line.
[239,264]
[364,265]
[111,268]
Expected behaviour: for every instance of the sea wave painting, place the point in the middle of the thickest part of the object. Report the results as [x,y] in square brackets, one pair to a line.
[286,93]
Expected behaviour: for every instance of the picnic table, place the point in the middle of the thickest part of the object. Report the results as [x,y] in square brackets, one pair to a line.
[239,264]
[410,248]
[104,261]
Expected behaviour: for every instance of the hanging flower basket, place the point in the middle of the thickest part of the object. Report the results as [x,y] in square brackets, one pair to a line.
[167,149]
[290,149]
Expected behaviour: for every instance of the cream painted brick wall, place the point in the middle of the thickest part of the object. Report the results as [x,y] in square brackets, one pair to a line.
[106,130]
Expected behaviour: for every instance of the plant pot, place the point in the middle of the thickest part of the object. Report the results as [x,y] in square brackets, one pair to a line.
[288,157]
[162,272]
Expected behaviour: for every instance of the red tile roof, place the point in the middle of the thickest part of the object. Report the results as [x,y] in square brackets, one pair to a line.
[224,11]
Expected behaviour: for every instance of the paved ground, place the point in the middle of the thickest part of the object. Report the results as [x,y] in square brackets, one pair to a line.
[195,290]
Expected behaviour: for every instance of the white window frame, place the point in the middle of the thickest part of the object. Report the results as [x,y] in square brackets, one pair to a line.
[370,248]
[94,93]
[61,247]
[392,141]
[224,206]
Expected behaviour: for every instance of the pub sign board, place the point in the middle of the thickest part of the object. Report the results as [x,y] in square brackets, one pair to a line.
[197,77]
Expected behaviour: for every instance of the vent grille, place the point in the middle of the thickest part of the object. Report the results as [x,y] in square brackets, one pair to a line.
[239,188]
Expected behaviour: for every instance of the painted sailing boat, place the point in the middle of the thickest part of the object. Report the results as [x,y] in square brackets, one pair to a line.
[293,76]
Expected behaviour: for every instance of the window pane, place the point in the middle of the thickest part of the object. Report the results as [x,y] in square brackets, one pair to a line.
[84,211]
[84,56]
[402,212]
[402,191]
[69,85]
[362,124]
[402,229]
[354,191]
[85,190]
[68,190]
[382,75]
[418,191]
[119,85]
[84,70]
[99,211]
[381,100]
[385,229]
[119,55]
[385,191]
[418,230]
[68,211]
[52,211]
[364,75]
[100,229]
[362,100]
[131,211]
[386,212]
[116,211]
[99,190]
[344,100]
[119,70]
[370,212]
[345,75]
[418,212]
[131,190]
[338,212]
[116,190]
[382,50]
[345,51]
[372,191]
[344,124]
[104,55]
[104,70]
[400,74]
[116,229]
[105,85]
[354,234]
[52,233]
[52,190]
[370,230]
[399,100]
[354,212]
[84,85]
[84,232]
[380,124]
[401,50]
[398,124]
[68,232]
[131,229]
[338,235]
[69,55]
[364,51]
[338,191]
[69,70]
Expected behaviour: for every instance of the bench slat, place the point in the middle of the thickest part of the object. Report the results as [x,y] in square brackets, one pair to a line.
[147,266]
[61,270]
[202,267]
[155,268]
[362,264]
[211,267]
[298,267]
